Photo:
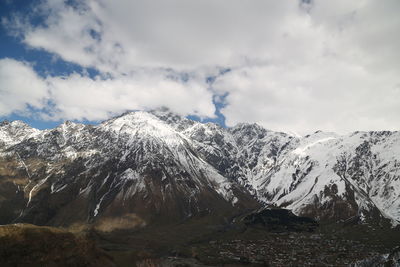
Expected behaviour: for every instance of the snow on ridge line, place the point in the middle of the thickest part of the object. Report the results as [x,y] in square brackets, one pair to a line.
[301,150]
[142,124]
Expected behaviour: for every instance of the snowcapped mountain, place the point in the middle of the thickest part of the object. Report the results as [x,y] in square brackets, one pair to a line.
[143,167]
[136,168]
[328,176]
[14,132]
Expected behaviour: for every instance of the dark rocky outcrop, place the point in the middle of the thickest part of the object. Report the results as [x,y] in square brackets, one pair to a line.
[280,220]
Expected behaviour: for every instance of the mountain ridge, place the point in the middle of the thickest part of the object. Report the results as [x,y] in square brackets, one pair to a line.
[158,161]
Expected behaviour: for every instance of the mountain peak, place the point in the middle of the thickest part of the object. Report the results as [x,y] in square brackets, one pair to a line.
[131,119]
[18,124]
[15,131]
[4,123]
[142,125]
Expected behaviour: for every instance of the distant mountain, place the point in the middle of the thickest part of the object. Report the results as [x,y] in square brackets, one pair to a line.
[146,167]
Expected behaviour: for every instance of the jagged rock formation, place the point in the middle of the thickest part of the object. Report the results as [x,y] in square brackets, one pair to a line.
[145,166]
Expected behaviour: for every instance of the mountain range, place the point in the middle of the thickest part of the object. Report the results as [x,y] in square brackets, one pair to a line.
[152,167]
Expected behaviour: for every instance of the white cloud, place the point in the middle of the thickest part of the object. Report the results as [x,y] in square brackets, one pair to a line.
[80,97]
[332,97]
[330,65]
[83,98]
[19,87]
[183,35]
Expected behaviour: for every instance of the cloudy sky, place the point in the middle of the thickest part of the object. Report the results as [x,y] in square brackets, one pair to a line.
[289,65]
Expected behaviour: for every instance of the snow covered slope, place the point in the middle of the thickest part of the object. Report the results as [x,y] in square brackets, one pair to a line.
[146,166]
[323,175]
[335,177]
[135,166]
[14,132]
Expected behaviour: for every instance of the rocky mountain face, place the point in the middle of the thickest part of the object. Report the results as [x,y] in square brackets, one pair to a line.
[143,167]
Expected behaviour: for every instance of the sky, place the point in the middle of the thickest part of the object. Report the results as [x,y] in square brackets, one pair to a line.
[288,65]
